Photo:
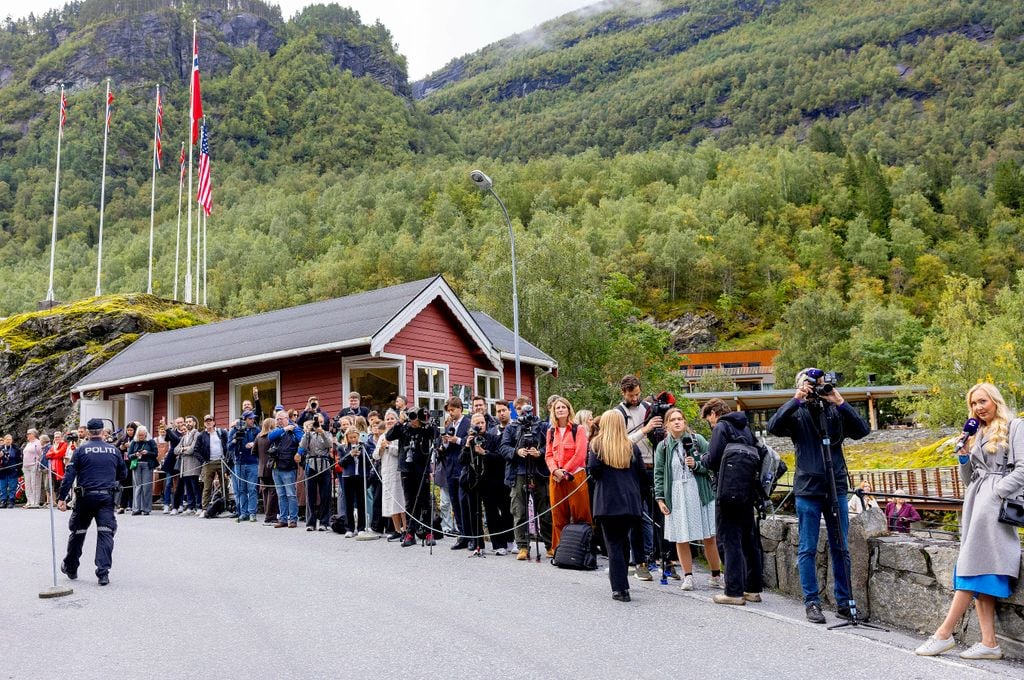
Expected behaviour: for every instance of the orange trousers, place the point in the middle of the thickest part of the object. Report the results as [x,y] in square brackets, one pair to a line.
[576,509]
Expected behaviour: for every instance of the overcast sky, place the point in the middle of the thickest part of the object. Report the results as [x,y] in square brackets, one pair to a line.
[429,33]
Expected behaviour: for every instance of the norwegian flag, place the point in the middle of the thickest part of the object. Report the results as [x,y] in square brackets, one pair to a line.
[63,108]
[110,100]
[197,100]
[159,132]
[204,195]
[181,161]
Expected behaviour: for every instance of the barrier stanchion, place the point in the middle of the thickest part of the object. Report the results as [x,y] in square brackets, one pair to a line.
[54,590]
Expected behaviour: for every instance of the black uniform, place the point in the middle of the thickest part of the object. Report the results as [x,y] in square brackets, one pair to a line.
[98,468]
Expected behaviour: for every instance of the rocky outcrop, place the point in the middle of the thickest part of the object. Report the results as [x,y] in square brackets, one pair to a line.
[903,580]
[691,332]
[43,354]
[156,46]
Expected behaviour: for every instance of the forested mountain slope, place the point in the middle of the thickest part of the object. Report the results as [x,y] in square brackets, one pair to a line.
[834,178]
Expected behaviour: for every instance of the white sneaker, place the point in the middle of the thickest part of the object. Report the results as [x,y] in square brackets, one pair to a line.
[980,651]
[716,582]
[687,583]
[500,551]
[174,511]
[349,534]
[199,514]
[933,646]
[167,510]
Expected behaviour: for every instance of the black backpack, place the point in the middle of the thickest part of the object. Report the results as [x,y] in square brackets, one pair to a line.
[574,549]
[215,507]
[338,524]
[739,477]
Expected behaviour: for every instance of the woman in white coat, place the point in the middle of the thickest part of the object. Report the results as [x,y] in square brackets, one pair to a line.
[989,561]
[391,479]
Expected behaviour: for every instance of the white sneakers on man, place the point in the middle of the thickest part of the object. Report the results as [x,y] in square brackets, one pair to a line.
[687,582]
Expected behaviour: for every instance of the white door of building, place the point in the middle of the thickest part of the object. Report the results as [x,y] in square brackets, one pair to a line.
[96,408]
[138,407]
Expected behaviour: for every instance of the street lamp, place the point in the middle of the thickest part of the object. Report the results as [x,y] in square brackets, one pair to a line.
[484,183]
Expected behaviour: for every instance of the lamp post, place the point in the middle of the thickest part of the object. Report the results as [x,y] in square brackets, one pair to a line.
[484,183]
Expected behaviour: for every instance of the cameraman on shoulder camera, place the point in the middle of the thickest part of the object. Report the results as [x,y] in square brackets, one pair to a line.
[817,397]
[522,447]
[646,431]
[242,447]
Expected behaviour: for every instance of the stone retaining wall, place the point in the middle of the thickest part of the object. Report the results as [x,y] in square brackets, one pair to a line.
[904,579]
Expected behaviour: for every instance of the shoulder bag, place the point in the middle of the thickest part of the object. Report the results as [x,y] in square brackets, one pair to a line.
[1012,510]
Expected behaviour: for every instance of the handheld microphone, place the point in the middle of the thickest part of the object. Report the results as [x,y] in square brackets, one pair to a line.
[970,428]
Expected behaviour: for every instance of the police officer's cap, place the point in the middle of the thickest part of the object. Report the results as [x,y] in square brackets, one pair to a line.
[94,424]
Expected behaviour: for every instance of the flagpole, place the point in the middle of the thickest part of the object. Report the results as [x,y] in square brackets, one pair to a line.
[199,243]
[103,191]
[152,191]
[206,241]
[56,191]
[177,235]
[191,123]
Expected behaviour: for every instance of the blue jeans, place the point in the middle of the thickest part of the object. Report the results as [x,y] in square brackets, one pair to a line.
[809,512]
[8,486]
[245,489]
[287,497]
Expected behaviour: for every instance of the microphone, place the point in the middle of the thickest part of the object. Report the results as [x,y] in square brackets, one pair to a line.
[970,428]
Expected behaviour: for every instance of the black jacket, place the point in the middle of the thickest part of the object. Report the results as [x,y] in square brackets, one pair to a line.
[730,428]
[10,462]
[203,445]
[514,465]
[619,492]
[413,445]
[797,420]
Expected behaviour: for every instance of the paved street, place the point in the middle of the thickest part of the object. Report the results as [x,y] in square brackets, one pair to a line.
[194,598]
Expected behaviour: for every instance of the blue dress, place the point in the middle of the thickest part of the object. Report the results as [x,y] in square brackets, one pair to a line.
[996,585]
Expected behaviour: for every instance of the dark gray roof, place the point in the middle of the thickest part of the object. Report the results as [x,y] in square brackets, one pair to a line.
[503,338]
[284,330]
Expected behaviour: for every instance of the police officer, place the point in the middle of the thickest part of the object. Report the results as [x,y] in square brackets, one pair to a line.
[99,468]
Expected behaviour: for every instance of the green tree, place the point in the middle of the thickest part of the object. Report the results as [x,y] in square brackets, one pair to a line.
[813,332]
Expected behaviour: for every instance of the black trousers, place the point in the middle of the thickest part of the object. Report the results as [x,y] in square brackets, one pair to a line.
[617,530]
[415,484]
[462,506]
[741,546]
[89,507]
[499,513]
[355,499]
[318,498]
[376,513]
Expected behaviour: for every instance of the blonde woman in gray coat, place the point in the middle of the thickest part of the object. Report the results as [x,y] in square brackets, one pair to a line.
[989,561]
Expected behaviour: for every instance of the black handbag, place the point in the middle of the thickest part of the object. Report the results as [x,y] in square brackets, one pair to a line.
[1012,509]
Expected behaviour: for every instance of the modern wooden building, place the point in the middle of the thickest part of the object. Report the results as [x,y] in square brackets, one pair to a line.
[416,339]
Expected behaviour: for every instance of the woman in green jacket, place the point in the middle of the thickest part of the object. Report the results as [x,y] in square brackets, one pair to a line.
[682,487]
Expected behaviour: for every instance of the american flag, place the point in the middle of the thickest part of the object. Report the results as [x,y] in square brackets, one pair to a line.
[110,100]
[204,195]
[63,108]
[159,131]
[181,161]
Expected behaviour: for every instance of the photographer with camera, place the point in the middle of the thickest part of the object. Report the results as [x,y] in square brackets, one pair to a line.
[452,441]
[312,409]
[316,450]
[817,401]
[522,447]
[416,438]
[242,446]
[284,452]
[566,458]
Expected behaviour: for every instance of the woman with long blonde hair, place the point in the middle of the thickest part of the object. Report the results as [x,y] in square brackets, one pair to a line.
[992,468]
[620,483]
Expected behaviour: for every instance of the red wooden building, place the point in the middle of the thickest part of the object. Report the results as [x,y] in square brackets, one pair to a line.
[416,339]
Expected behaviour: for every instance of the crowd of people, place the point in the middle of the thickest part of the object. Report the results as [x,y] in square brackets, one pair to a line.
[648,481]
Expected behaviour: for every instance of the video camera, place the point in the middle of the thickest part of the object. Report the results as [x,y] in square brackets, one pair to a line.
[71,437]
[660,405]
[478,436]
[529,437]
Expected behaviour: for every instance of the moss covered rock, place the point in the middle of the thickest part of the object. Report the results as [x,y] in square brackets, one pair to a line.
[43,354]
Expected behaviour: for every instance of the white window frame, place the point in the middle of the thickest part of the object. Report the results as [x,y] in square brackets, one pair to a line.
[234,407]
[417,394]
[371,361]
[492,399]
[174,391]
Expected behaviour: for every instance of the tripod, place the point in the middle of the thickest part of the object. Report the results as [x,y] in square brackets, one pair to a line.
[531,499]
[818,409]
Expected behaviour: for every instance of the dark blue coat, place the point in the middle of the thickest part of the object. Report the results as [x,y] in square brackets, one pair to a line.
[239,453]
[353,466]
[203,445]
[10,462]
[796,420]
[96,465]
[449,453]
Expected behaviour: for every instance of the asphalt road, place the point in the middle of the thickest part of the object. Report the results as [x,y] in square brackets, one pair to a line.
[193,598]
